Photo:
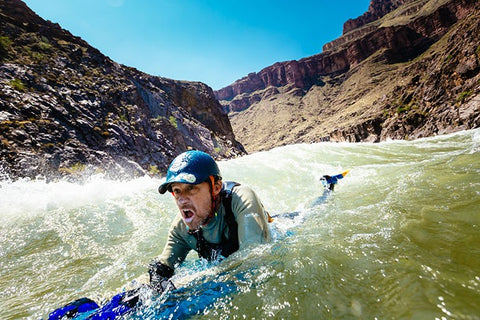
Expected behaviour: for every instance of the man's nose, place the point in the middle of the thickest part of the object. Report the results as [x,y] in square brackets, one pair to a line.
[182,199]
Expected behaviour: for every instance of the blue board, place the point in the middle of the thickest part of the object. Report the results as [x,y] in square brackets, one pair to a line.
[179,303]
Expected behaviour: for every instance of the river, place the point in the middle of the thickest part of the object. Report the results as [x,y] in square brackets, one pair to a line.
[399,238]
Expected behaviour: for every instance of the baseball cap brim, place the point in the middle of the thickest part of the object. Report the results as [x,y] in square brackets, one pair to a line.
[183,177]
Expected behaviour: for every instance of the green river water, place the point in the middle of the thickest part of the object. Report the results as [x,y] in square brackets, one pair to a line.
[398,239]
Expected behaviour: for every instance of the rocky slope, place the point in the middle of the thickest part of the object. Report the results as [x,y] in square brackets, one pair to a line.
[376,10]
[405,69]
[65,108]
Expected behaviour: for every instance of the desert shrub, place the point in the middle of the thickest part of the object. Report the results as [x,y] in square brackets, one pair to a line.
[403,109]
[74,169]
[5,44]
[17,84]
[173,121]
[462,96]
[153,170]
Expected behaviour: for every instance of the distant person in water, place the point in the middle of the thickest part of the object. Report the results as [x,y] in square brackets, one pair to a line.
[215,218]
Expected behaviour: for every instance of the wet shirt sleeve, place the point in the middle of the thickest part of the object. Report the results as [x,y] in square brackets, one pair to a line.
[177,248]
[250,216]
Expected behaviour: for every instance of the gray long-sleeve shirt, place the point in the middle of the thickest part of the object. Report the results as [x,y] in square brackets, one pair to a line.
[249,214]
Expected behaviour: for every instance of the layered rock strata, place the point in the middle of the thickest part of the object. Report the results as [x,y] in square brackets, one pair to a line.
[65,108]
[411,73]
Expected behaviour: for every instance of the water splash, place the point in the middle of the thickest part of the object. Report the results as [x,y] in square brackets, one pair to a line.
[397,238]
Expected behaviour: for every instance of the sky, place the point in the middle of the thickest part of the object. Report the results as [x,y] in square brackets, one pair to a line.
[213,41]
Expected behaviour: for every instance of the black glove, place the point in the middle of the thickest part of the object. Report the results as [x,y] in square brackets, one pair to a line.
[159,277]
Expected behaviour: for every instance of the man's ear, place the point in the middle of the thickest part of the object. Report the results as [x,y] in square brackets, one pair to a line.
[217,187]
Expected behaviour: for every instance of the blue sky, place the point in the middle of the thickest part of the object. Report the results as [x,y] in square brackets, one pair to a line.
[212,41]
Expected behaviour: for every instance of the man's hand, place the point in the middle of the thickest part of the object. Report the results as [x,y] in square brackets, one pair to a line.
[161,286]
[159,277]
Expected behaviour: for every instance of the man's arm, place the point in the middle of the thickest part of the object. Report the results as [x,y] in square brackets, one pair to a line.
[175,251]
[250,216]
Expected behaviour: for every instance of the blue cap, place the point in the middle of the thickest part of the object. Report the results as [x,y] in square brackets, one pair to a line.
[191,167]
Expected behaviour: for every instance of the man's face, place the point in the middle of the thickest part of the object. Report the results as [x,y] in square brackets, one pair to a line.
[194,202]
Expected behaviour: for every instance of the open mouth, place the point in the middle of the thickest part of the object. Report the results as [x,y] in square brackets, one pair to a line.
[187,215]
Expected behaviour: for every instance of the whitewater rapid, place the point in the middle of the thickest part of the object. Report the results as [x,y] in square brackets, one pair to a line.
[398,238]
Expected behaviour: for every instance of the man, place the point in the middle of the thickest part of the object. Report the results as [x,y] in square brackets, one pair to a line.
[214,218]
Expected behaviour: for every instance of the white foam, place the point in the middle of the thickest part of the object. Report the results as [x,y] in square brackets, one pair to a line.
[27,197]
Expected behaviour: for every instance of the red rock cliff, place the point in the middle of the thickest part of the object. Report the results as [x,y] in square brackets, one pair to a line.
[402,43]
[411,73]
